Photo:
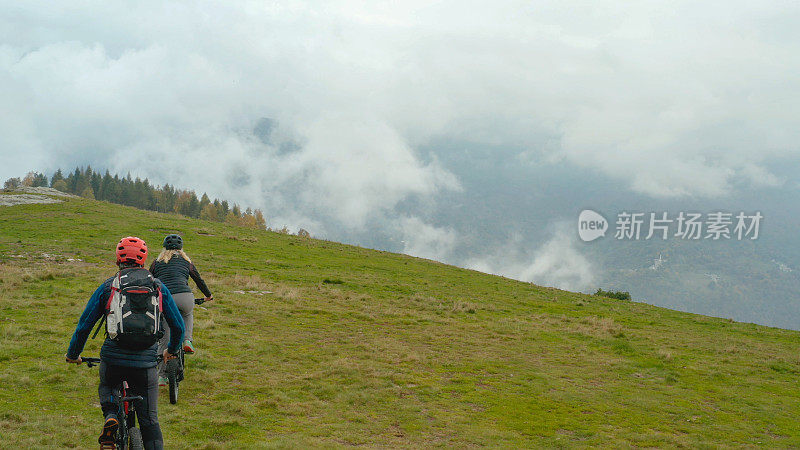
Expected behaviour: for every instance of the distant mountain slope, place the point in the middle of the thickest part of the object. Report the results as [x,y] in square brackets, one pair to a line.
[742,280]
[314,343]
[509,208]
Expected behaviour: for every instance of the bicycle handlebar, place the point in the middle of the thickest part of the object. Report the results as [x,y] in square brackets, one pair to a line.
[200,301]
[91,362]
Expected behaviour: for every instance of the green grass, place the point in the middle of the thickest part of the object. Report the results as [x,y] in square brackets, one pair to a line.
[361,347]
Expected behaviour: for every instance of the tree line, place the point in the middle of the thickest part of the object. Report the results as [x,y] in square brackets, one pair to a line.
[143,195]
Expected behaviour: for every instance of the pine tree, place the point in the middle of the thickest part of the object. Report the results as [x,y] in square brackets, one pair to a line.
[194,205]
[40,180]
[218,207]
[105,186]
[56,177]
[115,190]
[72,181]
[150,202]
[95,182]
[142,194]
[83,181]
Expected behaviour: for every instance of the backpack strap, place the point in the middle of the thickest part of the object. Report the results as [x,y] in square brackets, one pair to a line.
[110,298]
[160,300]
[111,295]
[99,325]
[105,313]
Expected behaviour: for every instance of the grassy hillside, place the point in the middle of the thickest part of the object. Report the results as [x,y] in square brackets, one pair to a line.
[360,347]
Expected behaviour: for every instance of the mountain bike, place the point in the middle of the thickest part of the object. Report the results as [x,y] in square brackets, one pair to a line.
[128,436]
[175,368]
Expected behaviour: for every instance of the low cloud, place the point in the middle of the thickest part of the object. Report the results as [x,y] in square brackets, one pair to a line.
[557,262]
[427,241]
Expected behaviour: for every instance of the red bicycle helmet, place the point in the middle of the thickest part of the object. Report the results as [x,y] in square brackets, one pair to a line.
[131,250]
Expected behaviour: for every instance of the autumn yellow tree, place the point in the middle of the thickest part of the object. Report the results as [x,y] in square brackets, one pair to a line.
[209,212]
[231,218]
[248,220]
[261,223]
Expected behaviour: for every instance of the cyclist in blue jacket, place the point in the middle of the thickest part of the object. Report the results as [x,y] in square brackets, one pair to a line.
[137,367]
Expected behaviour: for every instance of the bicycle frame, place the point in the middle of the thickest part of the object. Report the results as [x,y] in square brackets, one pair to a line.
[126,410]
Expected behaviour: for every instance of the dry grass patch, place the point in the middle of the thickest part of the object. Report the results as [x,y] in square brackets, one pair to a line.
[462,306]
[595,325]
[342,297]
[243,238]
[429,303]
[591,325]
[205,324]
[12,331]
[664,354]
[288,292]
[246,282]
[733,349]
[13,275]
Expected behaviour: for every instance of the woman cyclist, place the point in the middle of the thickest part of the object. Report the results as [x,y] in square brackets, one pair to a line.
[173,267]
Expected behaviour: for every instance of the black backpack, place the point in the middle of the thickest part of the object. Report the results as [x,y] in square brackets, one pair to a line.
[134,309]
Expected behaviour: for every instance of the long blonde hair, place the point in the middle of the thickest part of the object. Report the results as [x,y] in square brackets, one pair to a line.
[166,255]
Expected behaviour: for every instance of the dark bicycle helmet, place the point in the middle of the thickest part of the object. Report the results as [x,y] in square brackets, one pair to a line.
[173,242]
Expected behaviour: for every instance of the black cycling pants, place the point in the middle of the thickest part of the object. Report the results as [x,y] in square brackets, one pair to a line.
[143,382]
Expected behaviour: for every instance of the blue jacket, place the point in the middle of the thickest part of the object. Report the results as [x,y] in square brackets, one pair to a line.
[111,352]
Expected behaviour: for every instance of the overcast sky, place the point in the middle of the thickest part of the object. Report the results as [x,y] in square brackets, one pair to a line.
[661,99]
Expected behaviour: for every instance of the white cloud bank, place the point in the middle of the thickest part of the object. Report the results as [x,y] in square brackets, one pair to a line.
[557,262]
[427,241]
[675,98]
[671,98]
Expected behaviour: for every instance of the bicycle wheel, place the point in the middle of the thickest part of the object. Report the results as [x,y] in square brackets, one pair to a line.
[173,388]
[173,373]
[135,439]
